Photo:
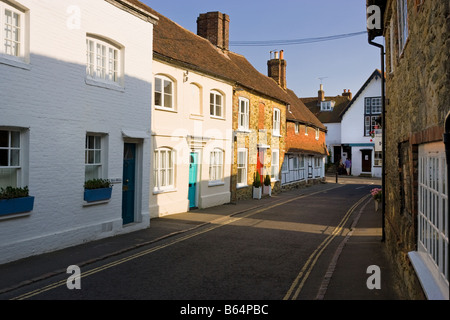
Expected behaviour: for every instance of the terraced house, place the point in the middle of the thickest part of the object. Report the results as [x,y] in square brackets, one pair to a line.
[75,96]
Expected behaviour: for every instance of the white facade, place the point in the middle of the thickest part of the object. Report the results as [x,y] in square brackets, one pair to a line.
[357,135]
[55,100]
[193,119]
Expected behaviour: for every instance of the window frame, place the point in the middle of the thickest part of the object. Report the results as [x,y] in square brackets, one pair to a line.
[17,168]
[275,166]
[213,94]
[112,68]
[101,151]
[402,21]
[216,166]
[317,133]
[245,116]
[21,59]
[276,122]
[371,114]
[242,166]
[163,94]
[169,171]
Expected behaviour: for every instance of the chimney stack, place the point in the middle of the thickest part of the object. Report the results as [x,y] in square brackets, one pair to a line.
[215,26]
[321,94]
[348,94]
[277,69]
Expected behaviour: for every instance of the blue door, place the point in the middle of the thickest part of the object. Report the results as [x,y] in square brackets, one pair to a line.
[193,165]
[128,185]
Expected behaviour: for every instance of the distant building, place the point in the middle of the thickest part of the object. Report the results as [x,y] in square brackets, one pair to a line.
[416,34]
[75,92]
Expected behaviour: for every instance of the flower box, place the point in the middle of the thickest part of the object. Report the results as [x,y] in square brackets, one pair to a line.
[16,205]
[92,195]
[267,190]
[257,193]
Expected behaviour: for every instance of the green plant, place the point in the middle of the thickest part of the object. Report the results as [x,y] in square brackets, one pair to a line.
[257,180]
[12,193]
[267,181]
[97,184]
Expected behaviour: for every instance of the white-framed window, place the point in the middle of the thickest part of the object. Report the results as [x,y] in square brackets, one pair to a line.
[327,105]
[95,156]
[12,32]
[285,165]
[216,104]
[164,92]
[103,60]
[317,134]
[378,161]
[242,167]
[275,165]
[433,212]
[216,166]
[306,130]
[244,114]
[402,16]
[164,169]
[391,46]
[372,110]
[10,158]
[296,127]
[276,122]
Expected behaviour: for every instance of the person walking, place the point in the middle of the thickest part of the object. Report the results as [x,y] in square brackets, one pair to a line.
[348,165]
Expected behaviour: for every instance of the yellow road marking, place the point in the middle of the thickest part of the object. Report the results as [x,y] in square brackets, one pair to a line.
[217,224]
[312,260]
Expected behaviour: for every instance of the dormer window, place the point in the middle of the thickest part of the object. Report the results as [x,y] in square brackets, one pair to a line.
[327,105]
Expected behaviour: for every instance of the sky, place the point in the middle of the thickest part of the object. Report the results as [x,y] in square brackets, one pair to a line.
[337,64]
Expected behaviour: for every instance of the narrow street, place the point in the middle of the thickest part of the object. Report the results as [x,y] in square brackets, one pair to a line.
[278,251]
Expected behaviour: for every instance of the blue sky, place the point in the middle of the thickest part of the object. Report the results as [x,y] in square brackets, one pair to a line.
[344,63]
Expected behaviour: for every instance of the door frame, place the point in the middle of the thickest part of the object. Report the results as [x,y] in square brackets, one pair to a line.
[370,153]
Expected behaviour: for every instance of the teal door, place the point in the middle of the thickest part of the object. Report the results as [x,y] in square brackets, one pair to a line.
[193,165]
[128,182]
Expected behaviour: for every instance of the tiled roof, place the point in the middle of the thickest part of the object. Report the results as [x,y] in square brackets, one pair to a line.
[177,45]
[333,116]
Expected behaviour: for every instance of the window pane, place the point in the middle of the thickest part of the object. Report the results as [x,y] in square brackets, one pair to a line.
[158,85]
[167,101]
[8,177]
[15,158]
[3,158]
[4,139]
[167,87]
[158,99]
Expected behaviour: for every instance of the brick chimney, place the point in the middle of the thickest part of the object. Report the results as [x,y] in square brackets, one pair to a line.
[348,94]
[277,69]
[215,26]
[321,94]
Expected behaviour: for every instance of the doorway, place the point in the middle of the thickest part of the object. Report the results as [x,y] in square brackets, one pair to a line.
[366,161]
[129,183]
[193,173]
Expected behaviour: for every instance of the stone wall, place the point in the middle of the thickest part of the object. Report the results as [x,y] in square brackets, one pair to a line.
[417,102]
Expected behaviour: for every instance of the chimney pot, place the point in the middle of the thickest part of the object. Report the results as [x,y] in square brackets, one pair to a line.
[277,69]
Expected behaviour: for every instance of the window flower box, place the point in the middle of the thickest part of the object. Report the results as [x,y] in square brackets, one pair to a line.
[15,200]
[97,190]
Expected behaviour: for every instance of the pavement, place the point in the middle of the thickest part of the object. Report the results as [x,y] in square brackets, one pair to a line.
[344,280]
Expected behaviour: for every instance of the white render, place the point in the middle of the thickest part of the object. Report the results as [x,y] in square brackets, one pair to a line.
[48,97]
[191,128]
[352,129]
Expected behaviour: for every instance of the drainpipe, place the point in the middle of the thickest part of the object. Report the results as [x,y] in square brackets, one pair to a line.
[447,155]
[383,117]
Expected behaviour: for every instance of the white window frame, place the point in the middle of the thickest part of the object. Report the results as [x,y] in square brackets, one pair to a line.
[402,18]
[432,242]
[216,110]
[276,122]
[244,114]
[163,94]
[21,56]
[378,159]
[306,130]
[216,167]
[372,110]
[275,165]
[317,134]
[96,155]
[243,182]
[103,61]
[11,149]
[296,127]
[164,169]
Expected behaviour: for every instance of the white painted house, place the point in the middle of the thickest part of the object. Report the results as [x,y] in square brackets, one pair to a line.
[191,123]
[359,129]
[75,104]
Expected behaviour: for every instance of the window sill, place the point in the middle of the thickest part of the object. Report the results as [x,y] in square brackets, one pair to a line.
[217,118]
[242,186]
[94,203]
[164,191]
[165,109]
[433,289]
[243,130]
[105,85]
[216,183]
[276,135]
[17,63]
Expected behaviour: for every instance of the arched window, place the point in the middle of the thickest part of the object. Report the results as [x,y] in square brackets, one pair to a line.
[164,92]
[103,60]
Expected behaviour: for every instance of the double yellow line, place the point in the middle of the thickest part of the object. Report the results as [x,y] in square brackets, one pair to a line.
[215,224]
[304,273]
